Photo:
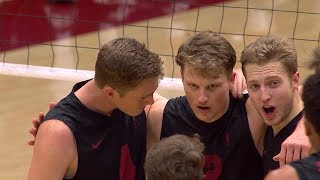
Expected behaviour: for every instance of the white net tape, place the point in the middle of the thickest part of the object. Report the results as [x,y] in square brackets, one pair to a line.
[70,74]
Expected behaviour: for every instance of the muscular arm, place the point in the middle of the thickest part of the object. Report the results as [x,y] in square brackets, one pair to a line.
[154,119]
[53,153]
[296,146]
[256,125]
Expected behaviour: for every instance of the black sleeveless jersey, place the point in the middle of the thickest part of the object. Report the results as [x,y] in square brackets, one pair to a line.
[230,152]
[109,147]
[308,168]
[272,144]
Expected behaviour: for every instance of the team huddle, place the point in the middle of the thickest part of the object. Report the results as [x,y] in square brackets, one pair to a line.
[115,126]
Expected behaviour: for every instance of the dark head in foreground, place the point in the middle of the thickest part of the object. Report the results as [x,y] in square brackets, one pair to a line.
[177,157]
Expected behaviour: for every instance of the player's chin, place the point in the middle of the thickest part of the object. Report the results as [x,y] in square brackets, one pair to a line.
[203,117]
[136,112]
[271,122]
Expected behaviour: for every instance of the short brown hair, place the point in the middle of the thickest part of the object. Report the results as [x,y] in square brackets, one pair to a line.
[123,63]
[311,95]
[311,100]
[315,63]
[271,49]
[208,52]
[177,157]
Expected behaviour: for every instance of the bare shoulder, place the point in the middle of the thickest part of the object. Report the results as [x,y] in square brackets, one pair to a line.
[251,110]
[54,151]
[154,111]
[157,104]
[157,108]
[154,121]
[284,173]
[256,125]
[56,136]
[54,129]
[254,118]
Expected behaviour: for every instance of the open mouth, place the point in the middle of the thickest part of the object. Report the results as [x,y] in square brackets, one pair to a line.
[269,110]
[203,107]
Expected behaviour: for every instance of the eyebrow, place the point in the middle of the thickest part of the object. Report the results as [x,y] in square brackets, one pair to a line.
[270,77]
[252,81]
[267,78]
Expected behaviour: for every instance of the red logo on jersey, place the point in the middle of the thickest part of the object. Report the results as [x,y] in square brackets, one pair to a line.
[95,146]
[127,168]
[212,168]
[318,165]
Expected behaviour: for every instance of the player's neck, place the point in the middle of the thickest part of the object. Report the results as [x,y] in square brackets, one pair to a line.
[92,97]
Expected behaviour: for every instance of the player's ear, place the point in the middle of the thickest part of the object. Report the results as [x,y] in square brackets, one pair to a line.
[296,80]
[232,77]
[108,91]
[181,73]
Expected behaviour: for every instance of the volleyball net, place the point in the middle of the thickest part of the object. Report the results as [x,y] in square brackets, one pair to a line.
[61,41]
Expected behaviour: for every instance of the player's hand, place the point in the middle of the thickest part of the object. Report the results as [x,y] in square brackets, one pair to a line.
[239,85]
[36,123]
[296,146]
